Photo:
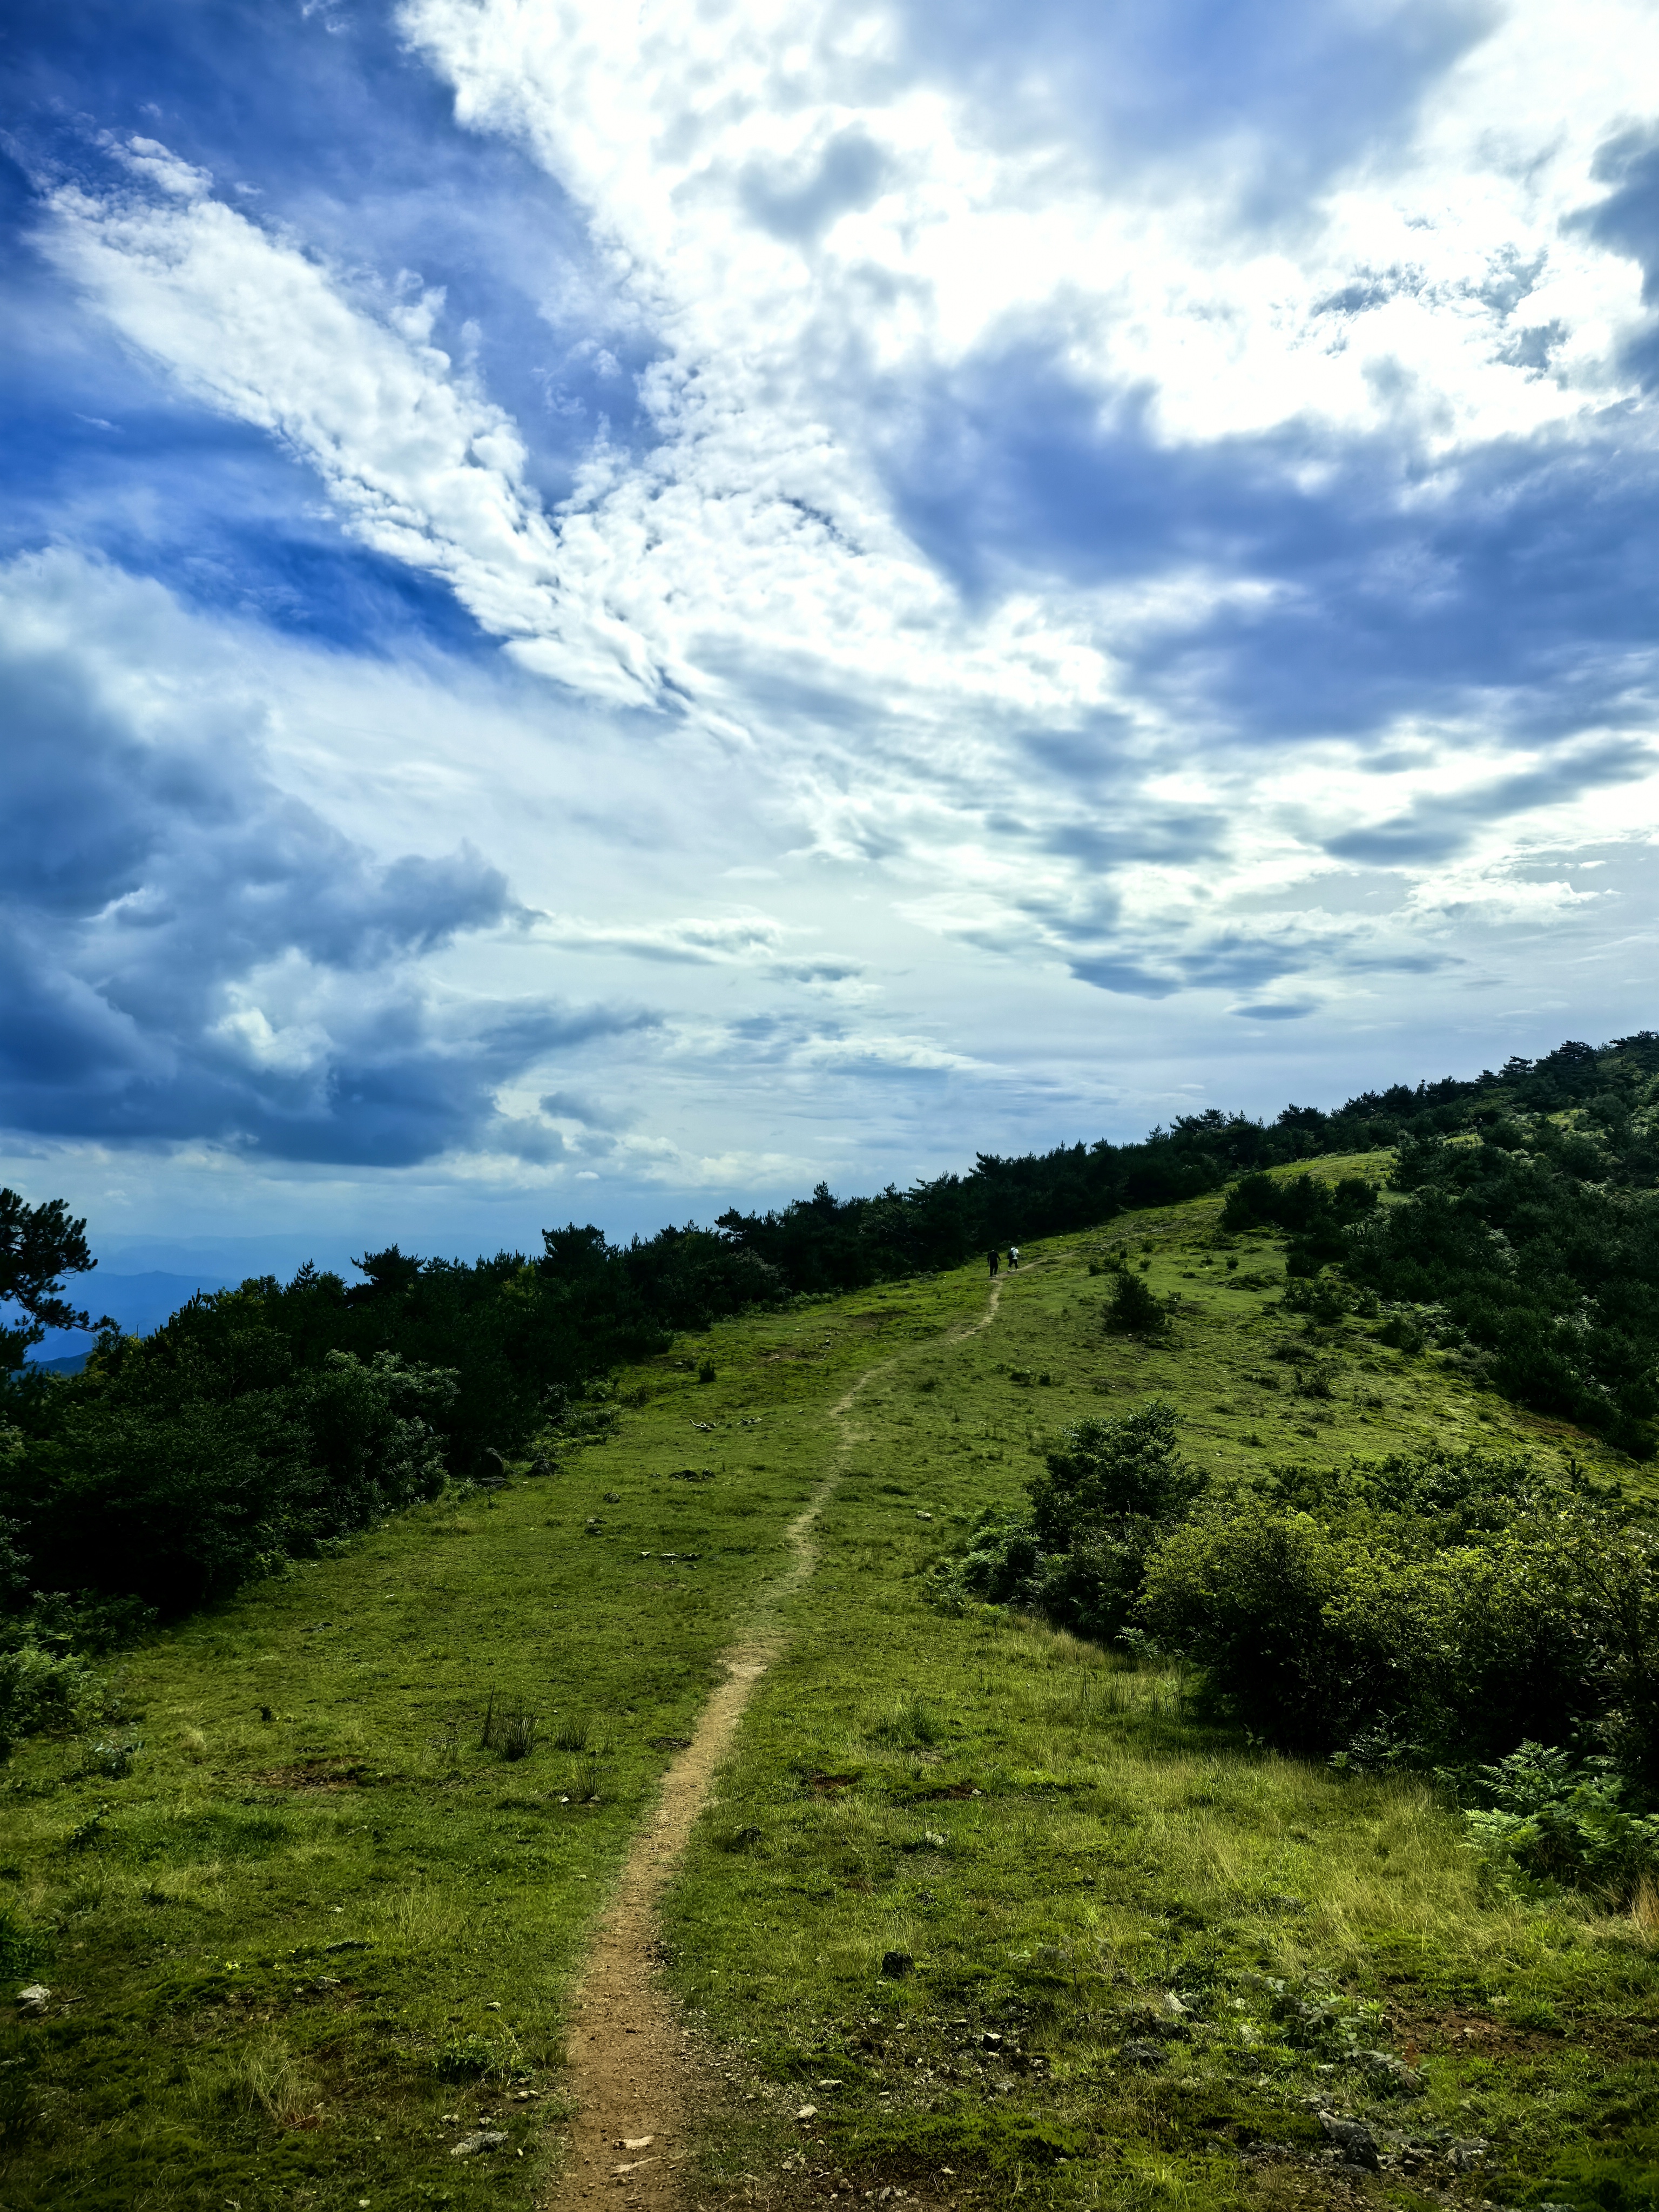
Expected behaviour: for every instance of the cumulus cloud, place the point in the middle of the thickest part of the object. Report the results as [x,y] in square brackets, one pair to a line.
[193,952]
[1101,477]
[884,383]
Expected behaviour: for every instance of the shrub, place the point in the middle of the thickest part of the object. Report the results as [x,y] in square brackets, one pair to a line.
[1106,1471]
[1097,1512]
[1326,1297]
[1403,1330]
[1131,1310]
[40,1691]
[1421,1600]
[113,1757]
[997,1564]
[1552,1819]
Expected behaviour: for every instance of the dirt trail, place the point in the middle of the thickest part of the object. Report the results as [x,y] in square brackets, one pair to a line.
[632,2078]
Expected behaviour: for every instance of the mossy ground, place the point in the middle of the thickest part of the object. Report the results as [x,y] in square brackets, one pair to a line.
[282,1950]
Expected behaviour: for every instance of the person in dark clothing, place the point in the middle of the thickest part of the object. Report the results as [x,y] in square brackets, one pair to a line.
[995,1259]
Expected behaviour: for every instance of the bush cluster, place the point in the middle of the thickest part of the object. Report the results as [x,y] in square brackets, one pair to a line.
[1098,1509]
[42,1691]
[177,1468]
[1440,1610]
[1449,1606]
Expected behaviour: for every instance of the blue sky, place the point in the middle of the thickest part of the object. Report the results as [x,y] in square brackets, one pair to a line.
[607,610]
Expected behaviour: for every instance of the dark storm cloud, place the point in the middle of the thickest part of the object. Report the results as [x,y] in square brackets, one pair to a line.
[169,913]
[1519,577]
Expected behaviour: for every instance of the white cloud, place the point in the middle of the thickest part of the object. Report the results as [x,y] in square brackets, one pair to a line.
[1044,763]
[751,566]
[730,937]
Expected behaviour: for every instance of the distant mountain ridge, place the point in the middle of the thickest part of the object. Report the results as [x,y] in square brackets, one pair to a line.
[139,1303]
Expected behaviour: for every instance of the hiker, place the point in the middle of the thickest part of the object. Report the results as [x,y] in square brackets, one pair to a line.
[1013,1255]
[992,1256]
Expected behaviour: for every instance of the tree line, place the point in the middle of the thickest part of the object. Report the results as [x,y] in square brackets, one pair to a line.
[264,1422]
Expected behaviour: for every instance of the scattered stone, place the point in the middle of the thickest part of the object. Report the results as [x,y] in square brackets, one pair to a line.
[990,2040]
[924,1517]
[1141,2054]
[896,1965]
[1468,2152]
[635,2142]
[1354,2139]
[482,2139]
[829,2081]
[807,2112]
[613,1497]
[33,2000]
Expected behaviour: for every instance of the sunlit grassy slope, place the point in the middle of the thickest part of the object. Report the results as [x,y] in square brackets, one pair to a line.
[1142,1951]
[294,1960]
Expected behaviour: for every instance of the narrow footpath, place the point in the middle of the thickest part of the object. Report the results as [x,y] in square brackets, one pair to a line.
[633,2077]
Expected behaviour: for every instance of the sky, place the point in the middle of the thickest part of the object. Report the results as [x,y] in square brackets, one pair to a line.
[608,610]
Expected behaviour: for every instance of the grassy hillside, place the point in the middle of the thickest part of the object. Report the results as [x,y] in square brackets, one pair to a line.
[294,1960]
[1143,1952]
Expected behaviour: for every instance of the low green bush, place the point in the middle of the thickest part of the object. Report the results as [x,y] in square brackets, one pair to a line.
[1098,1510]
[1106,1471]
[43,1691]
[1552,1819]
[1131,1310]
[1455,1604]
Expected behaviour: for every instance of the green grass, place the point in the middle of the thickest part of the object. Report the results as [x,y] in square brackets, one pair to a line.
[294,1960]
[1057,1845]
